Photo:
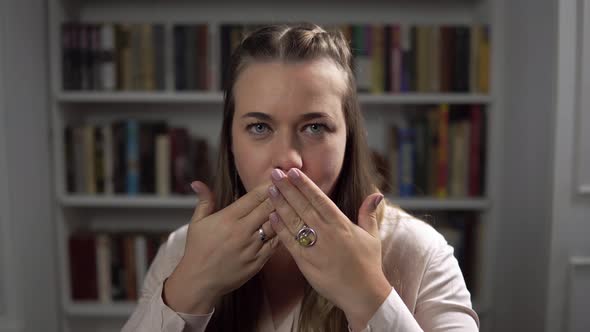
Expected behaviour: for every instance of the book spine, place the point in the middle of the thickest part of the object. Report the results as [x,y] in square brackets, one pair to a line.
[443,151]
[83,276]
[132,157]
[147,58]
[108,79]
[103,259]
[130,267]
[141,263]
[474,151]
[89,159]
[108,160]
[163,165]
[159,43]
[407,161]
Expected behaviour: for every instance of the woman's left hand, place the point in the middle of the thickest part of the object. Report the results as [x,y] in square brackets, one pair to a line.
[344,265]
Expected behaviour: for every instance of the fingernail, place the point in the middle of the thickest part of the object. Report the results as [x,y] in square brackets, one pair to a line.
[274,192]
[277,174]
[273,218]
[195,187]
[293,174]
[377,200]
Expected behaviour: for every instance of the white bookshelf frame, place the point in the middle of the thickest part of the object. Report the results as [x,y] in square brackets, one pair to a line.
[425,12]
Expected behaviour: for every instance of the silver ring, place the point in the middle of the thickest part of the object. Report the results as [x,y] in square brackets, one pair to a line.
[262,234]
[306,237]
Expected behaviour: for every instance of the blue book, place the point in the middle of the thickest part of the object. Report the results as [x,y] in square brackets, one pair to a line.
[132,157]
[407,161]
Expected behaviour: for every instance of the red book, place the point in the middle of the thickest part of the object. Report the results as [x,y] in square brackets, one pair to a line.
[179,154]
[130,267]
[475,151]
[83,275]
[443,152]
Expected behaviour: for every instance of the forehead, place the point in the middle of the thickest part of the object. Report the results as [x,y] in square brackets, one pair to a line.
[280,88]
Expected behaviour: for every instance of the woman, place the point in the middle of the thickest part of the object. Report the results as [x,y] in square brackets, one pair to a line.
[296,236]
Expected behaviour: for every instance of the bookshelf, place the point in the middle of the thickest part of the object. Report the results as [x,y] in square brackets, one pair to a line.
[200,111]
[199,98]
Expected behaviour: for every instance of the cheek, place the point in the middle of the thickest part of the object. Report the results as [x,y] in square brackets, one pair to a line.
[323,166]
[251,164]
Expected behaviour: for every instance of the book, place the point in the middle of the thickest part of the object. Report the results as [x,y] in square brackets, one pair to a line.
[83,274]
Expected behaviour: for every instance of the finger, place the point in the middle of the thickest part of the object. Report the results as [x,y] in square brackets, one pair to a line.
[257,217]
[288,215]
[206,202]
[256,242]
[323,205]
[248,202]
[268,232]
[285,236]
[264,254]
[293,197]
[367,218]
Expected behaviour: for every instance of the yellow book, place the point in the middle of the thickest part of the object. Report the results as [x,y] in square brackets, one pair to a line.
[147,69]
[377,60]
[474,57]
[484,61]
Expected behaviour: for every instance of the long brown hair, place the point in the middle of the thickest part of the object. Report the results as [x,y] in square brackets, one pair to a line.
[239,309]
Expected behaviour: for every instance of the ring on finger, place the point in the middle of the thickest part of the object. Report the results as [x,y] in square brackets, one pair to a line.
[261,234]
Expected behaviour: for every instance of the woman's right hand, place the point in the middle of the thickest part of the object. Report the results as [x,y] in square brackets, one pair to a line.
[223,250]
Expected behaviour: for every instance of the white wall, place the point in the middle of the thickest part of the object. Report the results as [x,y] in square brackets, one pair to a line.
[570,227]
[525,199]
[27,256]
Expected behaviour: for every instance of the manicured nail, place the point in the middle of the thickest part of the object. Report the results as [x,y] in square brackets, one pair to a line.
[277,174]
[273,217]
[195,187]
[274,192]
[377,200]
[293,173]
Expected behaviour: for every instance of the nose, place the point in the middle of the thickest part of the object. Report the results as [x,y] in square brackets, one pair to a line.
[286,153]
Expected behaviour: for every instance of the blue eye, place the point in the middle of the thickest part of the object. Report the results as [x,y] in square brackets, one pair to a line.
[315,128]
[258,128]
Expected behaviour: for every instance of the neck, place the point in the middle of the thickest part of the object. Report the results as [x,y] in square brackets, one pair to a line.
[281,275]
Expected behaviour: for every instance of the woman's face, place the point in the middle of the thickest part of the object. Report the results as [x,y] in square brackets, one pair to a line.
[289,115]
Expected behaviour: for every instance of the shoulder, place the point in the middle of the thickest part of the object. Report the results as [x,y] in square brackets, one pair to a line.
[402,231]
[408,247]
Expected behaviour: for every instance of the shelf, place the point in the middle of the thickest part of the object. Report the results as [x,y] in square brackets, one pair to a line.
[217,98]
[148,201]
[93,309]
[125,309]
[140,201]
[429,203]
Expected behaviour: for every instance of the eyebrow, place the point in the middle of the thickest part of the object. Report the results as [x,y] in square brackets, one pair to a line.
[303,117]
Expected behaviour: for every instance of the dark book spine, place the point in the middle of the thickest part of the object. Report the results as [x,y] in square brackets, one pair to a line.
[461,56]
[179,58]
[225,33]
[70,174]
[99,151]
[160,56]
[83,276]
[67,43]
[119,157]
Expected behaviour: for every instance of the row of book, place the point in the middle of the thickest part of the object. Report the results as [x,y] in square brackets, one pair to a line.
[387,58]
[134,157]
[145,57]
[107,267]
[403,58]
[439,152]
